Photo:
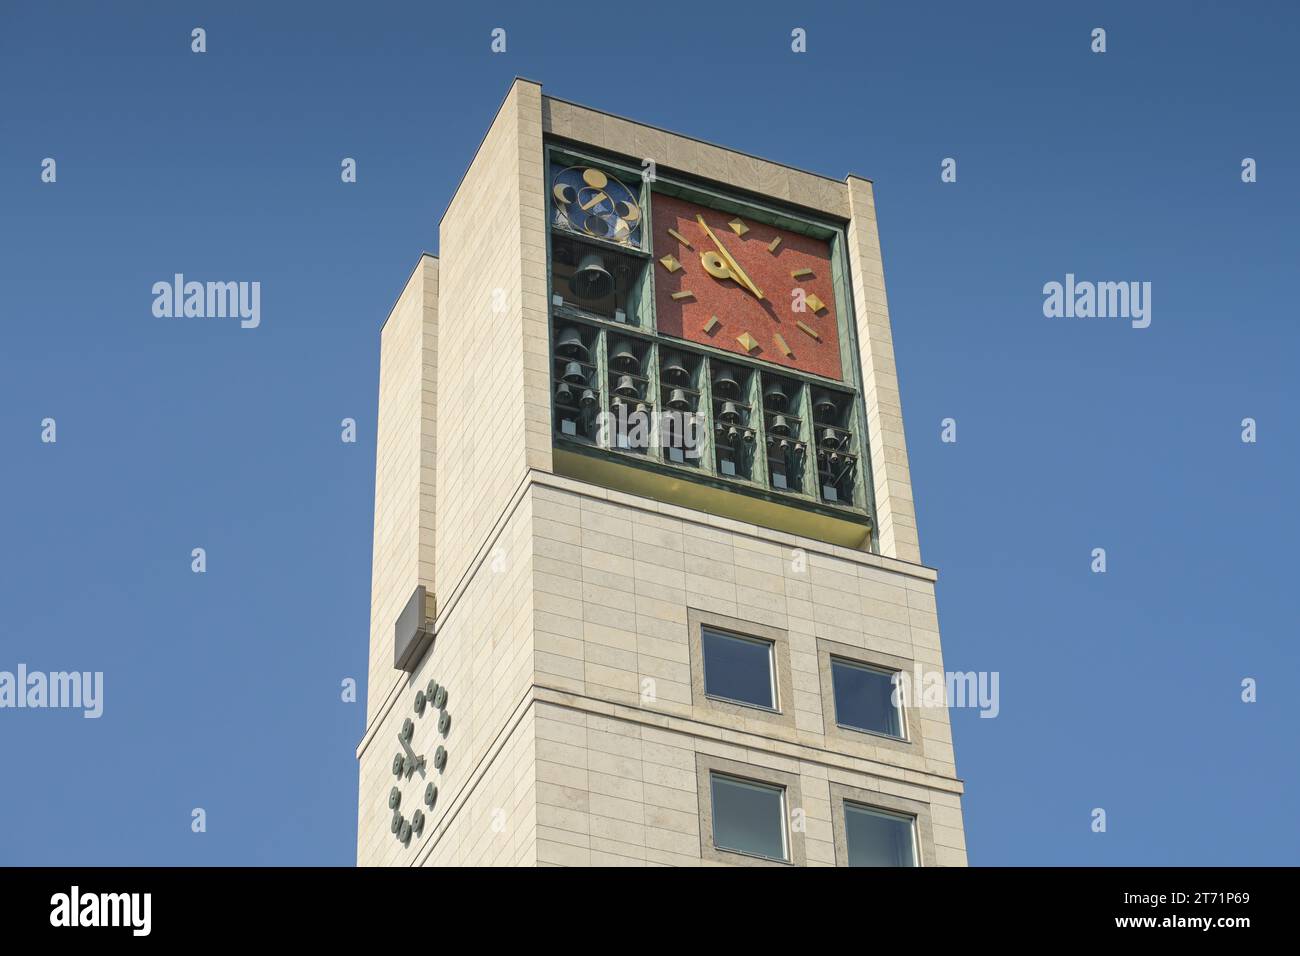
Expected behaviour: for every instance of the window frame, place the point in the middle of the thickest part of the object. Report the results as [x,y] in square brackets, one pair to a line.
[772,689]
[706,765]
[866,742]
[854,806]
[738,714]
[899,709]
[923,848]
[782,817]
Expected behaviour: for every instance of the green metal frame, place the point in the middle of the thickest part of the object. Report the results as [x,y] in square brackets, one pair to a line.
[560,154]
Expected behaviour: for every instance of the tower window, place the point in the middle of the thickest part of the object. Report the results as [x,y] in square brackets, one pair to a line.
[749,817]
[865,700]
[878,838]
[738,669]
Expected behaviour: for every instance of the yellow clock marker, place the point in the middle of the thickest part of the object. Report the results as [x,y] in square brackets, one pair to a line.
[771,246]
[800,273]
[814,303]
[669,263]
[809,330]
[684,294]
[747,342]
[710,325]
[680,238]
[780,343]
[738,227]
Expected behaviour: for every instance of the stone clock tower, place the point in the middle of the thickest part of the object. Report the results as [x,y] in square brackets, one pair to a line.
[646,568]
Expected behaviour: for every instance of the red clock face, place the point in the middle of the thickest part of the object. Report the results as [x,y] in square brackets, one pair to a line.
[746,287]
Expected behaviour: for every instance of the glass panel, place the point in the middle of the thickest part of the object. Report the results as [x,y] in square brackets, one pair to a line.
[877,838]
[738,669]
[748,817]
[864,699]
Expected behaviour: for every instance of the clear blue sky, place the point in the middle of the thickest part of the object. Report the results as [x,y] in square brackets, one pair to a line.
[1118,691]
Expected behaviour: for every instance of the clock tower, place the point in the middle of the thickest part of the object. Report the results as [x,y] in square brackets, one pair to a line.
[647,585]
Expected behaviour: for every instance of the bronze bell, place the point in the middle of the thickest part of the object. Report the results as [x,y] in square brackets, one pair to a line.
[829,438]
[574,374]
[730,413]
[780,425]
[591,280]
[725,384]
[625,387]
[588,399]
[732,434]
[564,394]
[678,401]
[748,435]
[676,373]
[774,396]
[622,358]
[823,405]
[569,344]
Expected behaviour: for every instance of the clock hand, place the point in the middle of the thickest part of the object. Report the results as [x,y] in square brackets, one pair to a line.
[733,267]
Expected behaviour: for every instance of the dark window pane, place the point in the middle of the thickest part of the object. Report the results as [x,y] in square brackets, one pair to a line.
[738,668]
[878,839]
[748,817]
[864,699]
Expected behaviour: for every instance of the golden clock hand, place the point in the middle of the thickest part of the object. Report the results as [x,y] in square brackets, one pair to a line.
[737,273]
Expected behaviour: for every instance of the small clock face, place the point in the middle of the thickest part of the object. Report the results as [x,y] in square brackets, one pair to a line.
[744,286]
[589,201]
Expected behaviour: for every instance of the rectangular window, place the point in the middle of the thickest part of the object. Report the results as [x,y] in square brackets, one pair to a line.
[864,699]
[748,817]
[878,838]
[738,669]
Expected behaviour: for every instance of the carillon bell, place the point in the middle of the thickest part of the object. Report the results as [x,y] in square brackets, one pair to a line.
[676,374]
[592,280]
[678,401]
[625,387]
[588,399]
[622,358]
[569,344]
[748,435]
[725,384]
[732,434]
[564,393]
[574,374]
[774,396]
[780,425]
[823,405]
[730,413]
[829,438]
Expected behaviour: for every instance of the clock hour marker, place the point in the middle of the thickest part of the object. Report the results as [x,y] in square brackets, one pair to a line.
[809,330]
[814,303]
[800,273]
[738,227]
[669,263]
[780,343]
[747,342]
[684,294]
[680,238]
[771,246]
[710,325]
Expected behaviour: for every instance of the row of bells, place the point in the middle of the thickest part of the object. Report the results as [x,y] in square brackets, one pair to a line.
[564,394]
[623,358]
